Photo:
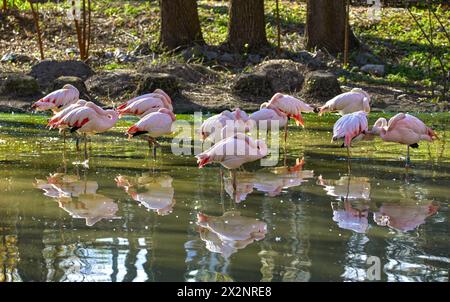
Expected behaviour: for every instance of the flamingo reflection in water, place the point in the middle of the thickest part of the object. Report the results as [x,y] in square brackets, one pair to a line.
[405,215]
[230,232]
[154,192]
[78,197]
[244,186]
[351,210]
[271,181]
[276,179]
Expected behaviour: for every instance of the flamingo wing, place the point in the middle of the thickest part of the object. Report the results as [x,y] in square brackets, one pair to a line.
[350,126]
[394,120]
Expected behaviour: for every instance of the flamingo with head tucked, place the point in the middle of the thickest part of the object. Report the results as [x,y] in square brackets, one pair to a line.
[404,129]
[348,102]
[87,120]
[145,104]
[58,99]
[232,152]
[269,114]
[271,117]
[154,125]
[225,124]
[58,116]
[351,128]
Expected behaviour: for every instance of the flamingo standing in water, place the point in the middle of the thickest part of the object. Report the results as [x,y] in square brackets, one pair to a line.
[58,99]
[351,128]
[348,102]
[58,116]
[226,122]
[270,114]
[154,125]
[404,129]
[233,152]
[145,104]
[292,107]
[87,120]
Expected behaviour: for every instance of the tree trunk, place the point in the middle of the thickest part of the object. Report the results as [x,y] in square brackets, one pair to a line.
[325,26]
[180,25]
[246,26]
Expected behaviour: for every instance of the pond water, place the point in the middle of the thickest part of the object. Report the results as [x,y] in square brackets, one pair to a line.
[128,217]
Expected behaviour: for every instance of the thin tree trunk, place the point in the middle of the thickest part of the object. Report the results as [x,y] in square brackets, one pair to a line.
[5,6]
[89,29]
[325,26]
[347,29]
[38,31]
[246,26]
[180,25]
[83,40]
[278,27]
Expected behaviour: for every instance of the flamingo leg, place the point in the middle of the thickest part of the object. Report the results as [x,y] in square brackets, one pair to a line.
[408,160]
[285,141]
[152,144]
[77,143]
[85,146]
[349,165]
[285,137]
[221,189]
[233,179]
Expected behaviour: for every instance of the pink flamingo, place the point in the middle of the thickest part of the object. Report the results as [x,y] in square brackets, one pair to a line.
[351,128]
[145,104]
[348,102]
[88,119]
[58,116]
[58,99]
[154,125]
[404,129]
[292,107]
[233,152]
[270,114]
[221,122]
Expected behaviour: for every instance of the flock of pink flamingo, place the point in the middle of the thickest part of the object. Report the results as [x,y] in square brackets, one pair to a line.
[232,146]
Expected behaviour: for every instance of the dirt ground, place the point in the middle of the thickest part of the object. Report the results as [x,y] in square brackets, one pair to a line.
[205,75]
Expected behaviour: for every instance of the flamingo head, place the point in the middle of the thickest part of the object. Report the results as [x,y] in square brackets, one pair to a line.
[112,114]
[42,106]
[379,127]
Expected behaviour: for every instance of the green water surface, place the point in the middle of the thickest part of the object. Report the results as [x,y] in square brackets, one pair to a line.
[128,217]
